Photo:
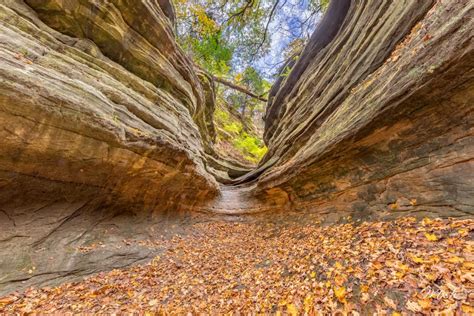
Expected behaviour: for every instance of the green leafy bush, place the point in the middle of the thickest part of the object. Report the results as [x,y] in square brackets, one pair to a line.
[251,146]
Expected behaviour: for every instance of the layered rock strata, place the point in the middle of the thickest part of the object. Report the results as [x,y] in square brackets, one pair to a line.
[377,116]
[107,129]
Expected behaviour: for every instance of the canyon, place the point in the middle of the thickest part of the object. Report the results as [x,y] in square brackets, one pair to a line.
[107,130]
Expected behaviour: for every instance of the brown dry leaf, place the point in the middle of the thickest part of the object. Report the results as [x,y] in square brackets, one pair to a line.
[413,306]
[365,297]
[339,280]
[390,303]
[6,301]
[314,273]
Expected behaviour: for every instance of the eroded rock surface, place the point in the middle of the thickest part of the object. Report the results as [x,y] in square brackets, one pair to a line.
[107,129]
[114,115]
[378,119]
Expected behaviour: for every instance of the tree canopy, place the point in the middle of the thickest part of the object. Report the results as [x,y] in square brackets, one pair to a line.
[243,44]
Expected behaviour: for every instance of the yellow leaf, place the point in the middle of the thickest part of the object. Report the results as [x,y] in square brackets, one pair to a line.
[313,274]
[416,259]
[426,221]
[396,314]
[403,267]
[468,265]
[308,303]
[469,310]
[400,274]
[431,237]
[434,259]
[364,288]
[338,265]
[291,309]
[463,232]
[239,77]
[340,293]
[430,276]
[455,260]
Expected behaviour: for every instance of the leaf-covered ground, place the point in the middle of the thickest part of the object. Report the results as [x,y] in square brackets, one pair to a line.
[399,267]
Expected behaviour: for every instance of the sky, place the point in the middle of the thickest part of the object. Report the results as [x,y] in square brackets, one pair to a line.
[292,19]
[286,26]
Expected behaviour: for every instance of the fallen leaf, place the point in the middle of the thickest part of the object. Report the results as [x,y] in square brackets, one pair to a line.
[425,303]
[390,303]
[340,293]
[431,237]
[291,309]
[413,306]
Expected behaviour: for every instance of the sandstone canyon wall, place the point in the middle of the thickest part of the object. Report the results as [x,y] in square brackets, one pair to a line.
[376,117]
[107,128]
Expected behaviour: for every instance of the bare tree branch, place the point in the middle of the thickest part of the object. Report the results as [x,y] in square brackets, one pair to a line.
[238,88]
[270,17]
[242,12]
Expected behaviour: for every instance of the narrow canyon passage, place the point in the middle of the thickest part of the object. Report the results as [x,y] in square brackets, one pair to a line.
[131,181]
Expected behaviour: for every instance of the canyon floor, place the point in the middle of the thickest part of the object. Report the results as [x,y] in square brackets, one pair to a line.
[403,266]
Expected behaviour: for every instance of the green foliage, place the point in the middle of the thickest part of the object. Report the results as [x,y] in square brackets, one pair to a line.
[221,116]
[234,128]
[324,4]
[251,146]
[230,25]
[320,5]
[211,54]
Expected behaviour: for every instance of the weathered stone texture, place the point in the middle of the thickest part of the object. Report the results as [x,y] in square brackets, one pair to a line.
[106,129]
[92,126]
[382,113]
[71,114]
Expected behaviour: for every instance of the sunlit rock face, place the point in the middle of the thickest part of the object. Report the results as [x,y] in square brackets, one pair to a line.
[377,117]
[103,118]
[113,105]
[107,128]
